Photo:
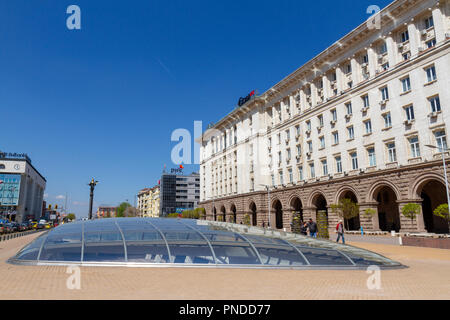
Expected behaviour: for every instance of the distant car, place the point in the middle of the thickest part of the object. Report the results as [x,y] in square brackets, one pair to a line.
[2,228]
[12,227]
[23,226]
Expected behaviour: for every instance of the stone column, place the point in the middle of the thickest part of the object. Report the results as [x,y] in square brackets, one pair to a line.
[373,61]
[326,88]
[369,222]
[439,27]
[313,94]
[339,76]
[392,51]
[414,39]
[355,72]
[416,225]
[309,213]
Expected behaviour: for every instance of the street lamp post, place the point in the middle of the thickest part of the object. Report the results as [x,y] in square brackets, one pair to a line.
[443,152]
[268,200]
[92,184]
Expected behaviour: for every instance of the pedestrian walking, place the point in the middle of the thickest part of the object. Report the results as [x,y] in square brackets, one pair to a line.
[340,231]
[312,226]
[263,224]
[304,228]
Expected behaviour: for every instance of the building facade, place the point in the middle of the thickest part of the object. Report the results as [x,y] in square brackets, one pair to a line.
[179,192]
[106,212]
[21,188]
[148,202]
[355,122]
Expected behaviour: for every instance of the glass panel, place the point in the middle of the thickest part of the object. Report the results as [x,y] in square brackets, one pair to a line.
[321,257]
[257,239]
[191,253]
[103,246]
[31,251]
[235,254]
[184,236]
[282,256]
[62,247]
[147,252]
[363,261]
[142,236]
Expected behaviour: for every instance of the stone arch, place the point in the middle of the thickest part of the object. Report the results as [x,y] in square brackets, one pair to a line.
[421,181]
[277,206]
[387,206]
[253,213]
[214,212]
[430,189]
[296,205]
[346,192]
[223,213]
[374,188]
[233,212]
[344,189]
[313,197]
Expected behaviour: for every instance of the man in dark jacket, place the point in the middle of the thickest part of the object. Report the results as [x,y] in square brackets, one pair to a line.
[312,226]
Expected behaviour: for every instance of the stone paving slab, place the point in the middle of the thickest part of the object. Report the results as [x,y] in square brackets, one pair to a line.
[427,277]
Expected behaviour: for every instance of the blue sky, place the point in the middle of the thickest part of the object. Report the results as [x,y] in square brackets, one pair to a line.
[103,101]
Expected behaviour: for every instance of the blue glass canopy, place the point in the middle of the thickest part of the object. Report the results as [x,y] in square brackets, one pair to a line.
[180,242]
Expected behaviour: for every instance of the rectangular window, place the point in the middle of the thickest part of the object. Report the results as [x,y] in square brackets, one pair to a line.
[387,120]
[405,36]
[383,48]
[406,84]
[320,120]
[385,66]
[366,101]
[415,148]
[392,153]
[435,104]
[351,133]
[384,93]
[429,22]
[300,173]
[308,125]
[322,142]
[297,130]
[349,108]
[312,170]
[431,43]
[334,114]
[431,73]
[299,150]
[273,179]
[365,58]
[325,167]
[281,178]
[410,113]
[368,125]
[338,164]
[336,137]
[279,157]
[372,157]
[354,157]
[310,146]
[291,177]
[288,154]
[441,140]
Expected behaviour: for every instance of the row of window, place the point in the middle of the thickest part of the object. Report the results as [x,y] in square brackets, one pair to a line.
[391,149]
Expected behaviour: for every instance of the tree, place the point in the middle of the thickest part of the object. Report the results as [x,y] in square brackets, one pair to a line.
[346,209]
[121,209]
[70,216]
[411,211]
[442,212]
[246,219]
[369,212]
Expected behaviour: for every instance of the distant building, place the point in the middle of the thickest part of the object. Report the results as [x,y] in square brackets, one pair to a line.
[179,192]
[106,212]
[21,188]
[149,202]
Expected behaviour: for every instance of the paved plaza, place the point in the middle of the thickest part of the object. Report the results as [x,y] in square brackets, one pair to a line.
[427,277]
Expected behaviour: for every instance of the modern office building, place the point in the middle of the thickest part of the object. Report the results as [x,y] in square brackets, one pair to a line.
[148,202]
[21,188]
[355,122]
[179,192]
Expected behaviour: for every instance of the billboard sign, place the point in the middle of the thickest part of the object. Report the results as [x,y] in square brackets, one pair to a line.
[9,189]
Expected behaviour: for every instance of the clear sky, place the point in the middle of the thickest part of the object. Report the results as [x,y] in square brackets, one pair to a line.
[103,101]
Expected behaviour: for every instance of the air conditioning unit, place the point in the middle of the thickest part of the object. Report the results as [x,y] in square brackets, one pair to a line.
[433,115]
[287,141]
[421,49]
[298,158]
[365,65]
[309,154]
[383,103]
[365,109]
[348,116]
[333,122]
[408,122]
[423,33]
[400,45]
[308,132]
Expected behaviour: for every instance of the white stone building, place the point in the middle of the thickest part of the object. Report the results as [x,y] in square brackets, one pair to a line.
[361,112]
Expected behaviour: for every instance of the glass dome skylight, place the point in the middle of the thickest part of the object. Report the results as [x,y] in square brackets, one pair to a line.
[179,242]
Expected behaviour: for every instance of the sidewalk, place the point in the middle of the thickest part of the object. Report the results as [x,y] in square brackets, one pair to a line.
[427,277]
